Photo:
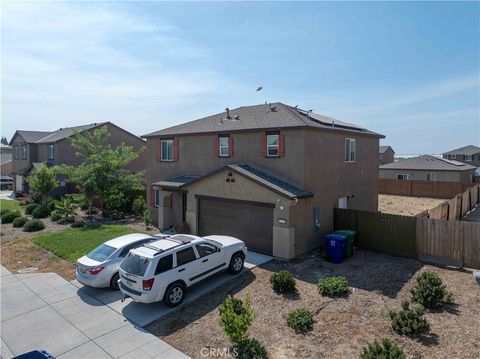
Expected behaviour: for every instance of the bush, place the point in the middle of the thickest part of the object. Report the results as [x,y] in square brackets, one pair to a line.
[409,321]
[4,211]
[20,221]
[55,215]
[300,320]
[78,223]
[139,206]
[384,350]
[65,220]
[249,348]
[10,216]
[430,292]
[40,212]
[33,225]
[30,207]
[236,316]
[92,211]
[282,282]
[333,287]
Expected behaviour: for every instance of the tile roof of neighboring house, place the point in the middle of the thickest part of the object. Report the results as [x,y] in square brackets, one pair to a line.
[62,133]
[427,162]
[382,149]
[260,117]
[465,150]
[253,173]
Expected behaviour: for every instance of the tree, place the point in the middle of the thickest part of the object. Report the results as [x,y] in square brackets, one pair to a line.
[104,172]
[43,181]
[4,141]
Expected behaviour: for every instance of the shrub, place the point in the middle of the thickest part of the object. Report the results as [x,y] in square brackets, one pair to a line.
[92,211]
[4,211]
[20,221]
[65,220]
[40,212]
[249,348]
[30,207]
[333,287]
[282,282]
[236,316]
[386,349]
[139,206]
[33,225]
[430,292]
[78,223]
[146,218]
[55,215]
[300,320]
[409,321]
[10,216]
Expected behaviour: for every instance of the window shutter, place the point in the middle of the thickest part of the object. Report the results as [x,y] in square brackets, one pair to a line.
[157,150]
[230,146]
[152,196]
[281,145]
[263,146]
[175,149]
[216,144]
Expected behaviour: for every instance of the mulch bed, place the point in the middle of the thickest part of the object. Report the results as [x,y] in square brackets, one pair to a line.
[343,326]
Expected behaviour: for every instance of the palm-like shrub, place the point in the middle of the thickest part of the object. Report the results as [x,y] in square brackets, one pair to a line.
[409,321]
[66,207]
[382,350]
[430,292]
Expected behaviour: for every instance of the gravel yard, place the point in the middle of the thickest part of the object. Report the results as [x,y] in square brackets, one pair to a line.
[406,206]
[343,326]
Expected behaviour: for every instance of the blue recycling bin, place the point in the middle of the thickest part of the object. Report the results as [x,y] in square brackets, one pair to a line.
[335,247]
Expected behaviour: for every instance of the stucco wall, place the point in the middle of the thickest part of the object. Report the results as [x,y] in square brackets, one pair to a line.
[446,176]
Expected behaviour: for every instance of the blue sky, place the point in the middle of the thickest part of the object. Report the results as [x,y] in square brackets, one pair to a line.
[408,70]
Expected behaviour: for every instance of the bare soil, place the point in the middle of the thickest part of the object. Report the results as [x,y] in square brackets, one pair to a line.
[406,206]
[342,326]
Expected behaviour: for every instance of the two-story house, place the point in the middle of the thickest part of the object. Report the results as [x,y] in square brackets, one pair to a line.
[386,155]
[468,154]
[30,149]
[268,174]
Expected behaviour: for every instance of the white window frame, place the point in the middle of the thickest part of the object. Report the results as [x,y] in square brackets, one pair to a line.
[50,156]
[164,157]
[468,158]
[273,147]
[431,177]
[156,197]
[23,152]
[350,156]
[407,175]
[223,146]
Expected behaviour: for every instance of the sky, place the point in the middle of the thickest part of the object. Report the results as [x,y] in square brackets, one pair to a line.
[408,70]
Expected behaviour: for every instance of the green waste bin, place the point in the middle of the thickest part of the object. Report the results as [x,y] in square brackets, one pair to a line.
[349,242]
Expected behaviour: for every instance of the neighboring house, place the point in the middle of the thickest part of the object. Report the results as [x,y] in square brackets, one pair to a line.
[386,154]
[270,175]
[428,168]
[468,154]
[5,153]
[33,148]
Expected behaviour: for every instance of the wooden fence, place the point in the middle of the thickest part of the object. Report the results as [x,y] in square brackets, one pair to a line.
[413,188]
[432,240]
[455,208]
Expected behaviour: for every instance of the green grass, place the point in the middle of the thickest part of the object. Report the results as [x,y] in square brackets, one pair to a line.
[12,205]
[74,243]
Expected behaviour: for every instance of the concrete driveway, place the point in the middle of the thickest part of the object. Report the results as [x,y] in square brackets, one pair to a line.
[144,314]
[44,311]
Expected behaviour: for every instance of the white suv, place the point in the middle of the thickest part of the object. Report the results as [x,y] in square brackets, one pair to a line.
[162,270]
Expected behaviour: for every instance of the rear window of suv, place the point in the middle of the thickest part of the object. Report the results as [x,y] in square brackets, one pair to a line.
[134,264]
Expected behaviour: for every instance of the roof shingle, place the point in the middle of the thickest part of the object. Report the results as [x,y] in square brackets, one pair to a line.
[427,162]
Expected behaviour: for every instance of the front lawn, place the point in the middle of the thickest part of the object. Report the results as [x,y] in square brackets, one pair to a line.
[74,243]
[10,204]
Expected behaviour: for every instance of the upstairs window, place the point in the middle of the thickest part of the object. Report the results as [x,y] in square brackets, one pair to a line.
[350,150]
[24,152]
[431,177]
[51,152]
[166,150]
[223,150]
[15,152]
[468,158]
[404,176]
[272,146]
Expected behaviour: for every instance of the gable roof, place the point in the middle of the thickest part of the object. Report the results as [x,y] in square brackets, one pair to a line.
[253,173]
[465,150]
[30,136]
[383,149]
[427,162]
[260,117]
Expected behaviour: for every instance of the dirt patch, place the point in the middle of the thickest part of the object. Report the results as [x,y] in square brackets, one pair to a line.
[406,206]
[342,327]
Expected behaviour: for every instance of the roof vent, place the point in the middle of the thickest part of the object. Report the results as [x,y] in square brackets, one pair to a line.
[236,117]
[272,108]
[228,113]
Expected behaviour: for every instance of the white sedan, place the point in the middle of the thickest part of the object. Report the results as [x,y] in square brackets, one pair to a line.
[99,268]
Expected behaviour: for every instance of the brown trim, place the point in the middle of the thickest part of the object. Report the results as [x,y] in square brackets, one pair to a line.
[260,204]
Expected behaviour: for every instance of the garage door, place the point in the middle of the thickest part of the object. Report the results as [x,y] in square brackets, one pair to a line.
[249,221]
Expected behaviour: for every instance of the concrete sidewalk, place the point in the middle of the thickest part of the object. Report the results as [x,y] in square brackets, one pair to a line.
[44,311]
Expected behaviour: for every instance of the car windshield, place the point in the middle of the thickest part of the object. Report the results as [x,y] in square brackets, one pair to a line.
[134,264]
[101,253]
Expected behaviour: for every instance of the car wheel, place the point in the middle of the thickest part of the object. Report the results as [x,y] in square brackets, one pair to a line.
[174,294]
[236,264]
[114,281]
